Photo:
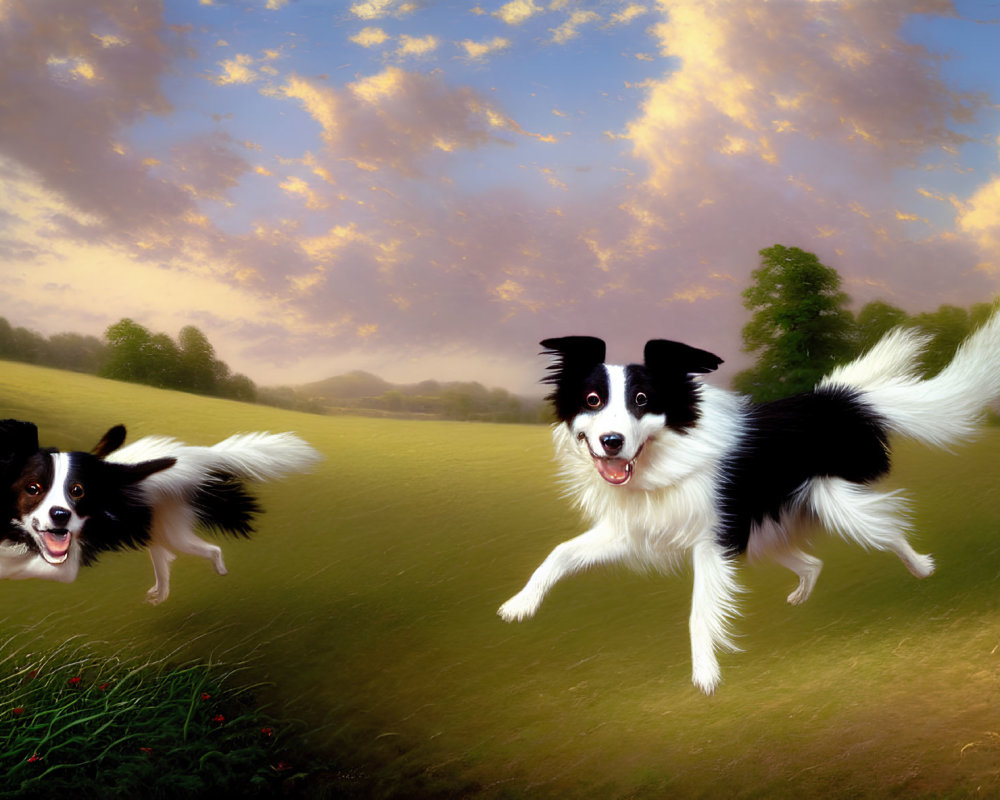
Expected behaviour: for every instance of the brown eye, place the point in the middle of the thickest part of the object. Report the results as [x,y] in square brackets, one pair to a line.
[76,491]
[593,400]
[34,488]
[641,399]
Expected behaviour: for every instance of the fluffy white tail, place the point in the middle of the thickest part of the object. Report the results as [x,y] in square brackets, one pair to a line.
[940,411]
[250,456]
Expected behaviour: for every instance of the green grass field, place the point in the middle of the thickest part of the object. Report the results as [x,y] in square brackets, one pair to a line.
[366,608]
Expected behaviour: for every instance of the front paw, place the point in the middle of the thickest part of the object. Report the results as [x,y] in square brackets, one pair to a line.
[521,606]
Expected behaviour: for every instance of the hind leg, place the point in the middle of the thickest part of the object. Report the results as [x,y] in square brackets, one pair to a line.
[185,540]
[770,539]
[807,567]
[175,530]
[872,519]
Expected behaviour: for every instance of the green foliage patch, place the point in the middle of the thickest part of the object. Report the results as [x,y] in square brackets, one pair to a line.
[78,722]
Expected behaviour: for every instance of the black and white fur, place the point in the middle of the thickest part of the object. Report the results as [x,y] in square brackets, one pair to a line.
[66,508]
[668,468]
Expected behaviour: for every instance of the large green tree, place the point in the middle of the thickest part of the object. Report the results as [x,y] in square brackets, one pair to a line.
[799,326]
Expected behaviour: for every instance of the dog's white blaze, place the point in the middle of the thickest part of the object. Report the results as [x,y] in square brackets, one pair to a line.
[56,496]
[614,417]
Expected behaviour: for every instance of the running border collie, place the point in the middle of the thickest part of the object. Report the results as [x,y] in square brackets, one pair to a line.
[667,468]
[68,507]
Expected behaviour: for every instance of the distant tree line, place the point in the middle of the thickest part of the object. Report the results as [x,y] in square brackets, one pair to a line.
[465,402]
[130,352]
[800,326]
[135,354]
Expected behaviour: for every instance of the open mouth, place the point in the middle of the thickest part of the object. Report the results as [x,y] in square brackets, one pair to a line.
[616,471]
[55,543]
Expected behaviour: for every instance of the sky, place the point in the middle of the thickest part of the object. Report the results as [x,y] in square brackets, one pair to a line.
[426,189]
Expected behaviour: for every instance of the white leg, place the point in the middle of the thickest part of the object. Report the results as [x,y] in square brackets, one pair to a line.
[872,519]
[713,602]
[161,558]
[772,539]
[599,545]
[807,567]
[192,544]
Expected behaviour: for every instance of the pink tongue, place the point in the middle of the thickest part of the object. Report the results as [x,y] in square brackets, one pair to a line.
[614,470]
[56,544]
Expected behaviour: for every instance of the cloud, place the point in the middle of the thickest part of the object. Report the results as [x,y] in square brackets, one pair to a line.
[397,119]
[478,51]
[979,217]
[320,102]
[629,13]
[517,11]
[236,71]
[207,165]
[370,37]
[413,46]
[296,186]
[377,9]
[570,28]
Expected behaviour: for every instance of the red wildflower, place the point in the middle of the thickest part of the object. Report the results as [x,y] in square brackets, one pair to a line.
[218,718]
[206,696]
[33,758]
[266,731]
[18,711]
[147,750]
[75,681]
[104,687]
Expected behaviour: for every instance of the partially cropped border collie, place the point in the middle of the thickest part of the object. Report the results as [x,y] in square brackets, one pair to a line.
[65,508]
[666,467]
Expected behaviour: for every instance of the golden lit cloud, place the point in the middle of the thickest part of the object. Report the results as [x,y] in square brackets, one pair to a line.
[236,71]
[476,51]
[110,40]
[693,293]
[319,102]
[411,46]
[378,87]
[517,11]
[376,9]
[979,218]
[631,12]
[370,37]
[296,186]
[570,28]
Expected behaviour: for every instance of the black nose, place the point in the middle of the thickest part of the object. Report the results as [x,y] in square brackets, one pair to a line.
[59,516]
[612,443]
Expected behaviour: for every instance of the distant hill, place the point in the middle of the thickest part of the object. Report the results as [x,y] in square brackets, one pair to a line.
[361,392]
[351,385]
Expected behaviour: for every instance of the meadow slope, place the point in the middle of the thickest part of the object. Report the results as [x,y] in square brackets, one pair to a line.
[366,604]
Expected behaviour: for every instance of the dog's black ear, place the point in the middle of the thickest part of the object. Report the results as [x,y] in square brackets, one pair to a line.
[110,442]
[18,441]
[575,358]
[576,353]
[663,355]
[133,473]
